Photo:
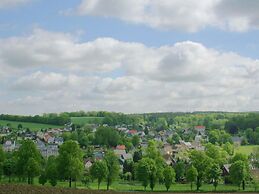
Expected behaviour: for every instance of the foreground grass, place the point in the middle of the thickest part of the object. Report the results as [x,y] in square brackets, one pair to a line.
[28,189]
[31,126]
[125,186]
[247,149]
[86,120]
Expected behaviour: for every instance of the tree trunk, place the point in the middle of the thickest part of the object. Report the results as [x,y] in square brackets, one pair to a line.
[191,186]
[99,185]
[243,184]
[70,182]
[9,179]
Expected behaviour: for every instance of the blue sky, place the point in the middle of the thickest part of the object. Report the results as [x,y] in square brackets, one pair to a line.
[228,39]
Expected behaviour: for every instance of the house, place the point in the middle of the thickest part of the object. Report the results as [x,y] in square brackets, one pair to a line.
[118,153]
[58,140]
[88,164]
[48,138]
[120,147]
[200,130]
[98,155]
[225,173]
[237,140]
[10,146]
[49,150]
[132,132]
[167,150]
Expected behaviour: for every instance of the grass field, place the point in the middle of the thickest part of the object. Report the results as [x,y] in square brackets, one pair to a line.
[86,120]
[248,149]
[29,189]
[31,126]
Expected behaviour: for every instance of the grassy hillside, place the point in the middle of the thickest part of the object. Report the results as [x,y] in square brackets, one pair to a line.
[31,126]
[86,120]
[246,149]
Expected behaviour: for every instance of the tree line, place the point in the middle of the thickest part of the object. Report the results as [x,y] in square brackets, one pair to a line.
[148,167]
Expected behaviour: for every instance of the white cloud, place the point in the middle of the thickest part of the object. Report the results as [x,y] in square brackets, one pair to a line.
[188,15]
[47,71]
[12,3]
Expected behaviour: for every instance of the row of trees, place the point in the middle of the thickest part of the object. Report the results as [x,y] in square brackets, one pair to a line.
[52,118]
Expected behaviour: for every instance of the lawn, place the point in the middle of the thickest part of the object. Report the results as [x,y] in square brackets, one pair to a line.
[124,186]
[86,120]
[31,126]
[248,149]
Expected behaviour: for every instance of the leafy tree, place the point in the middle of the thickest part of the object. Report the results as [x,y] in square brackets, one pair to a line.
[137,155]
[107,136]
[9,167]
[135,140]
[146,169]
[202,163]
[29,160]
[216,153]
[70,161]
[2,159]
[214,174]
[254,157]
[112,167]
[32,169]
[52,170]
[169,177]
[43,178]
[239,173]
[179,170]
[191,175]
[99,171]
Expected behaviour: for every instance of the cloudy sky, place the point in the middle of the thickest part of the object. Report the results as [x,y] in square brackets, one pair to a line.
[129,55]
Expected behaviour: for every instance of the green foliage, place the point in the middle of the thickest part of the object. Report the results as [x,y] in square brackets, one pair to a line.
[169,177]
[29,160]
[146,171]
[214,174]
[43,178]
[135,140]
[107,136]
[112,164]
[219,136]
[216,153]
[179,170]
[239,173]
[52,170]
[70,161]
[202,163]
[99,171]
[191,175]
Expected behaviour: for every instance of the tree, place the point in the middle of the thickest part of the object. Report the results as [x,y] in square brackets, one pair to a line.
[9,168]
[52,171]
[29,160]
[107,136]
[214,174]
[70,161]
[239,173]
[146,172]
[191,175]
[169,177]
[32,169]
[202,163]
[135,140]
[112,167]
[2,159]
[179,170]
[137,155]
[99,171]
[43,178]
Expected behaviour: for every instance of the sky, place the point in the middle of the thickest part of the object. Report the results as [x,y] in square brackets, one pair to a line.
[130,56]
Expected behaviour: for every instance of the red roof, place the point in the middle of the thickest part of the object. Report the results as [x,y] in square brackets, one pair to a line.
[133,131]
[121,147]
[199,127]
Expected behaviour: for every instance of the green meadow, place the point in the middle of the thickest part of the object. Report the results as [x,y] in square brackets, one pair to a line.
[31,126]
